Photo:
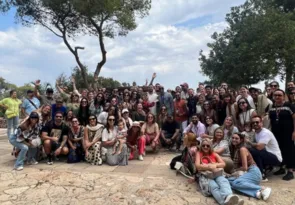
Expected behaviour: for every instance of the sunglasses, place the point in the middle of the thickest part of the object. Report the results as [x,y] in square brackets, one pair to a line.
[58,116]
[111,120]
[273,86]
[208,119]
[278,95]
[206,146]
[255,122]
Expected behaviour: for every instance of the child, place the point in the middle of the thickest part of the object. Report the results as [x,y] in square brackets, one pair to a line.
[121,136]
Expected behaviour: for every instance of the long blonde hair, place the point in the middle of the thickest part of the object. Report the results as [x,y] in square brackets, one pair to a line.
[209,142]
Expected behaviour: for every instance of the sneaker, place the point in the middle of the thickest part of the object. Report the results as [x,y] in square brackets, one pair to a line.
[241,202]
[289,176]
[20,168]
[32,162]
[264,178]
[231,200]
[268,170]
[281,171]
[49,161]
[140,158]
[258,195]
[265,193]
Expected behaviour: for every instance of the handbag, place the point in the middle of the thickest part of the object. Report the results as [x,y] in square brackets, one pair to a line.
[203,184]
[212,174]
[73,157]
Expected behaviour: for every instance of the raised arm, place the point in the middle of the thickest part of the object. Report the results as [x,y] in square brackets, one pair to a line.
[74,87]
[153,78]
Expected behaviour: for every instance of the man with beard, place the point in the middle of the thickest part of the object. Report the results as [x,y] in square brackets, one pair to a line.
[266,151]
[195,127]
[152,98]
[30,104]
[55,136]
[170,133]
[44,99]
[262,104]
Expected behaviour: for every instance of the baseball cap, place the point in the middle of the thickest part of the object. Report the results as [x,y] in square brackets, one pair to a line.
[125,110]
[34,115]
[49,90]
[30,91]
[184,84]
[253,89]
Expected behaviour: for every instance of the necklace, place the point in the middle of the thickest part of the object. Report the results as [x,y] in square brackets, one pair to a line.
[278,110]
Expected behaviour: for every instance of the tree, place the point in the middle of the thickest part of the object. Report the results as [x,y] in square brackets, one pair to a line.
[70,18]
[258,45]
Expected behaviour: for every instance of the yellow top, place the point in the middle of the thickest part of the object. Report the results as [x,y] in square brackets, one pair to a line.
[12,105]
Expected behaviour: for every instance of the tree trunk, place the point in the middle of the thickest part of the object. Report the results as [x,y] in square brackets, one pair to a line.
[290,70]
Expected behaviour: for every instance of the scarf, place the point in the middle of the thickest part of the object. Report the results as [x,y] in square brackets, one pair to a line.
[97,129]
[262,103]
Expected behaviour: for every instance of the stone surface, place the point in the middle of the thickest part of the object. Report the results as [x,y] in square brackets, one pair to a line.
[140,183]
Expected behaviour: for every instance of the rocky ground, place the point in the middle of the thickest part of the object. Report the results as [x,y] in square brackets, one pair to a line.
[147,182]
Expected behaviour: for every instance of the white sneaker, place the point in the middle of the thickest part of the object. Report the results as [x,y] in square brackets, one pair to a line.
[231,200]
[19,168]
[265,193]
[140,158]
[33,162]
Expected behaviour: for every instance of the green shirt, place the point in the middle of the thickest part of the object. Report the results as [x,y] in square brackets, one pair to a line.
[12,107]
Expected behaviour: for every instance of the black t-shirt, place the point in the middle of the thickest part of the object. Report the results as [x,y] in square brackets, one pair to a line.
[56,131]
[170,128]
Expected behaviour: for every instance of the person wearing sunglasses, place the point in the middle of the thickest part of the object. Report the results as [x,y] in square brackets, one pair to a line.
[58,107]
[208,111]
[244,114]
[246,176]
[282,120]
[245,94]
[265,150]
[26,139]
[109,140]
[219,187]
[92,141]
[54,137]
[291,95]
[75,141]
[83,113]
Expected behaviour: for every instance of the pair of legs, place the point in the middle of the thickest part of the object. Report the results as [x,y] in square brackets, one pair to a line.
[152,140]
[24,149]
[167,136]
[119,150]
[51,146]
[12,124]
[140,146]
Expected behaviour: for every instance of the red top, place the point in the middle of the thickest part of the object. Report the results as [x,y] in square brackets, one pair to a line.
[204,159]
[180,109]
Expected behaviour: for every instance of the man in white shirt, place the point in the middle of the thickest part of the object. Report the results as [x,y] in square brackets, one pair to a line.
[265,151]
[152,97]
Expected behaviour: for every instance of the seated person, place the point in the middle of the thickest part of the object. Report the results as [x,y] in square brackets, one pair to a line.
[195,127]
[221,147]
[135,139]
[121,137]
[247,176]
[151,132]
[170,133]
[208,160]
[266,151]
[55,136]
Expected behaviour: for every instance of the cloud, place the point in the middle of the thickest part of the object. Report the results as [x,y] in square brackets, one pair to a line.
[157,45]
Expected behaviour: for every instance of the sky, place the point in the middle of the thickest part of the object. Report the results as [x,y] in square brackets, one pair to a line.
[167,42]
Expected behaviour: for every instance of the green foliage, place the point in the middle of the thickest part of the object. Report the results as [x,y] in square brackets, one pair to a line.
[259,44]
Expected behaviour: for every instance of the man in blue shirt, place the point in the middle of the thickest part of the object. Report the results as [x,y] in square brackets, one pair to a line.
[58,106]
[30,103]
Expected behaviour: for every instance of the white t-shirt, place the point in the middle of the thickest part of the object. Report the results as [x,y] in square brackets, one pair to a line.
[153,98]
[266,137]
[211,129]
[102,118]
[250,100]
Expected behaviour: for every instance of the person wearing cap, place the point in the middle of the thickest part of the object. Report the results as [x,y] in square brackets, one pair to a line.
[134,140]
[170,133]
[58,107]
[44,99]
[11,106]
[30,104]
[184,93]
[127,120]
[26,139]
[262,104]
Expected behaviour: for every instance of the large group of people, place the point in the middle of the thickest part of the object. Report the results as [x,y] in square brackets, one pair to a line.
[245,132]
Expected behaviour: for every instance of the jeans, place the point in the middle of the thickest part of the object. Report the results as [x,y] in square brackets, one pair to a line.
[179,140]
[220,189]
[264,158]
[248,183]
[12,123]
[24,149]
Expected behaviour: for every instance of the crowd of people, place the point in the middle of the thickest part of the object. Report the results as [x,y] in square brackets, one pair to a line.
[244,132]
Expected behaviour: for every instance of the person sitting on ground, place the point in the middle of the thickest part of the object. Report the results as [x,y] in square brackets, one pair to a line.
[195,127]
[266,150]
[246,177]
[229,128]
[170,133]
[162,117]
[92,141]
[68,118]
[139,114]
[54,137]
[208,160]
[221,147]
[211,127]
[45,115]
[121,137]
[151,131]
[26,139]
[109,139]
[75,141]
[135,139]
[126,119]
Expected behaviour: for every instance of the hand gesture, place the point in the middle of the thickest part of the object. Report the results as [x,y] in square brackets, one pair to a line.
[154,75]
[146,81]
[37,82]
[58,151]
[73,79]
